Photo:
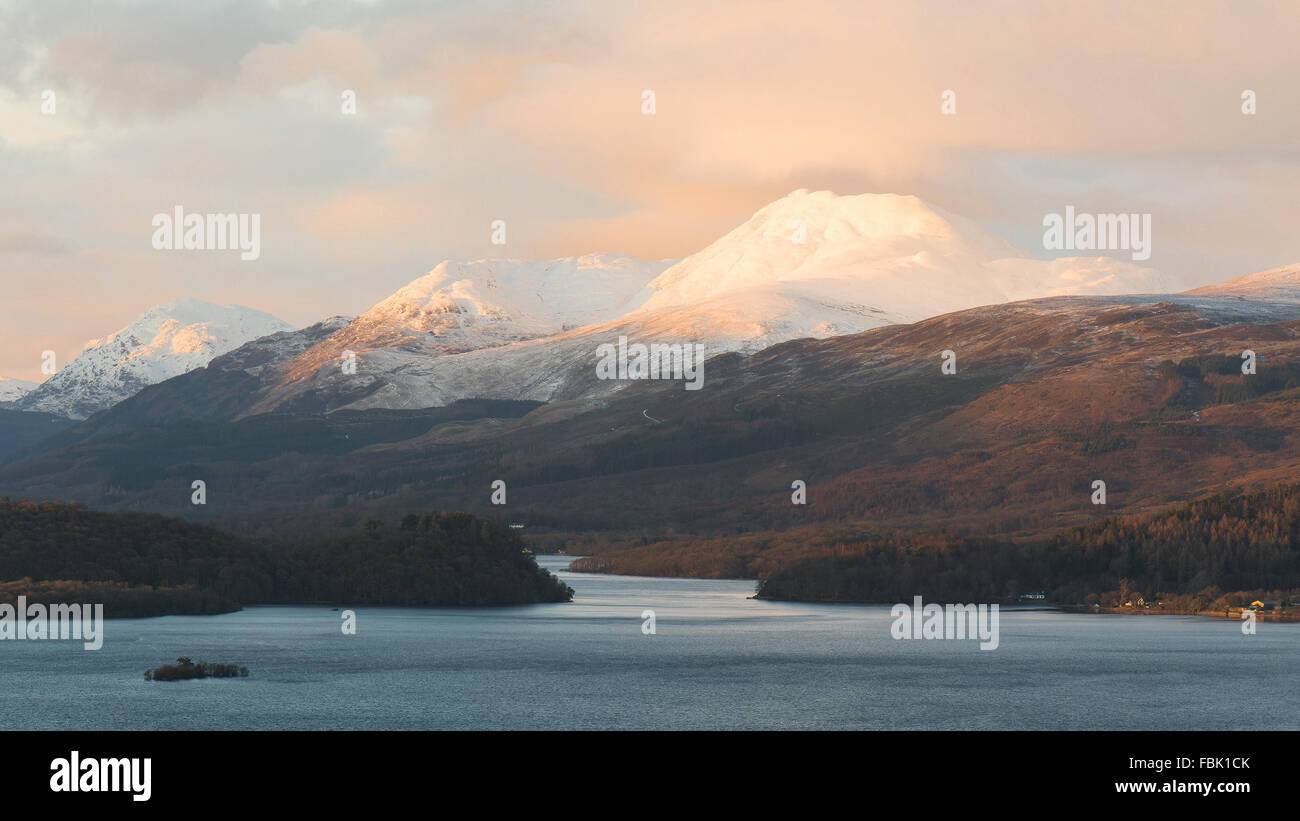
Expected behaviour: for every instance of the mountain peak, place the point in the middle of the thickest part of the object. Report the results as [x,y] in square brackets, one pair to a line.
[884,220]
[496,301]
[877,247]
[165,341]
[816,263]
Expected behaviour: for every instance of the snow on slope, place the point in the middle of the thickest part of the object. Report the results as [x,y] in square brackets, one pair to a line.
[463,307]
[1276,285]
[14,389]
[866,260]
[490,329]
[165,341]
[470,305]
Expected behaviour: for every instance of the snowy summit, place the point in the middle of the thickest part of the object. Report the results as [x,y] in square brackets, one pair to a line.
[165,341]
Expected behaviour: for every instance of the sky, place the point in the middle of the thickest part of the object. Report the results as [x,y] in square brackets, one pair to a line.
[532,113]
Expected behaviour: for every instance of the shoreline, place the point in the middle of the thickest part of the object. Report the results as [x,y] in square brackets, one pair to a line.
[1230,614]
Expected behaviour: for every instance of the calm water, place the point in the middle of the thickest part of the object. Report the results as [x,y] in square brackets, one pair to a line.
[718,660]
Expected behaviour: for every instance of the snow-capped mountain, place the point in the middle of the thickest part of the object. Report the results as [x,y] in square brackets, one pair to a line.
[465,306]
[812,264]
[14,389]
[460,308]
[165,341]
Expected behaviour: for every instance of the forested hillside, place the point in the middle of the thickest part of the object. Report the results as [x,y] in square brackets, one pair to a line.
[1247,543]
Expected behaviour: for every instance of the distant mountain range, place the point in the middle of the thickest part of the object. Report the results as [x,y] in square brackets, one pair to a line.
[810,265]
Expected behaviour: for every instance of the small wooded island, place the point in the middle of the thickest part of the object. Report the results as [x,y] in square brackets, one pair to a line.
[144,564]
[185,669]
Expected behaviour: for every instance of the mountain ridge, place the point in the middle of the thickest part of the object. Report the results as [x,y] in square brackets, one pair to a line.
[808,265]
[861,262]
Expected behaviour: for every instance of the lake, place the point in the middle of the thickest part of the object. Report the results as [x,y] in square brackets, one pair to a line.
[717,660]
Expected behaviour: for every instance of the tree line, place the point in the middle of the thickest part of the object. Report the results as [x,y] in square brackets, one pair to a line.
[161,563]
[1248,543]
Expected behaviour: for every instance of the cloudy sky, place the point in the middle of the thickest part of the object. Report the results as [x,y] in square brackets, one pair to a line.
[531,112]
